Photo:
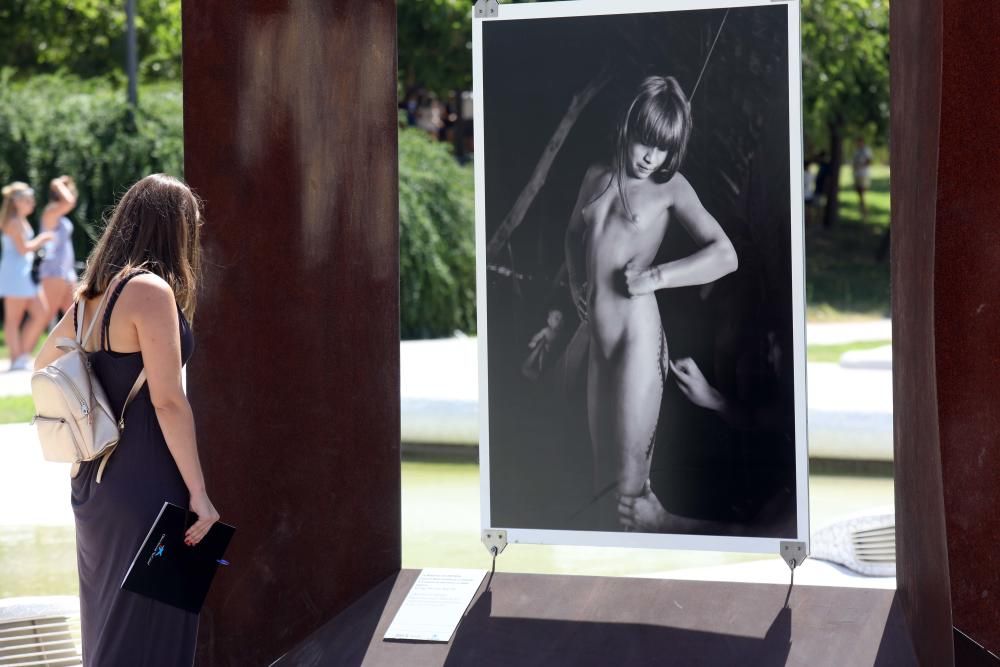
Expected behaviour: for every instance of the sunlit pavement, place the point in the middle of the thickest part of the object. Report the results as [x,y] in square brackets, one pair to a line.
[33,491]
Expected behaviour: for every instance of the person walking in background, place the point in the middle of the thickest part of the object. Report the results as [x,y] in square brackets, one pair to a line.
[19,292]
[861,166]
[57,272]
[429,116]
[809,195]
[147,264]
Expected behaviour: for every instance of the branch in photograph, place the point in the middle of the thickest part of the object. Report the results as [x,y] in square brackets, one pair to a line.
[538,177]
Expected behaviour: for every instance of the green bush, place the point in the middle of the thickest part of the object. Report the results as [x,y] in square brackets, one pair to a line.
[52,125]
[437,253]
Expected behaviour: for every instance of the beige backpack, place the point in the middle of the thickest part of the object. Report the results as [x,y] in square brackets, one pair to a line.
[74,419]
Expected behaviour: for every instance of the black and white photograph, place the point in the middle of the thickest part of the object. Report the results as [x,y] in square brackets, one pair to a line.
[639,240]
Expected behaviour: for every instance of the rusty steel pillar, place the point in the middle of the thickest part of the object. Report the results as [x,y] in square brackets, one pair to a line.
[290,138]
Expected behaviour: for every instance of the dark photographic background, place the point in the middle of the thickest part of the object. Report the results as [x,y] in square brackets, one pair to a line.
[738,329]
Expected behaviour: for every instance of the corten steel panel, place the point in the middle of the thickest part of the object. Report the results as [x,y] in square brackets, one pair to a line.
[967,312]
[526,619]
[290,137]
[921,541]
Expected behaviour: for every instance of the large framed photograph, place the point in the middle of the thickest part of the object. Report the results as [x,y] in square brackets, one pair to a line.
[639,238]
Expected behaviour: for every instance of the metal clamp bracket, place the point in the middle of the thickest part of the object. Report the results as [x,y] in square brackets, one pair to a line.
[793,553]
[495,539]
[486,9]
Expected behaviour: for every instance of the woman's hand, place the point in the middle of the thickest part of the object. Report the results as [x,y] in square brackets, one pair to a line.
[207,516]
[641,281]
[694,385]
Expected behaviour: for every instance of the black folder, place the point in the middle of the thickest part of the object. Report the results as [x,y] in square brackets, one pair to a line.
[170,571]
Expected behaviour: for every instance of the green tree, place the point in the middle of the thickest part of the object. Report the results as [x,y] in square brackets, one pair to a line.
[437,247]
[435,45]
[86,38]
[845,79]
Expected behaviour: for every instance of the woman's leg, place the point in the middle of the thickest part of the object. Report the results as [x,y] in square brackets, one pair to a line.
[639,393]
[38,312]
[13,313]
[53,289]
[624,392]
[600,419]
[59,295]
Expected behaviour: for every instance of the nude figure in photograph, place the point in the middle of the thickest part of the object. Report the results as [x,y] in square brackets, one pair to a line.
[621,215]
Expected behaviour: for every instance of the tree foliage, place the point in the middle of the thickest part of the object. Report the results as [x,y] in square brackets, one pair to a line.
[86,38]
[437,253]
[845,80]
[53,125]
[845,67]
[435,44]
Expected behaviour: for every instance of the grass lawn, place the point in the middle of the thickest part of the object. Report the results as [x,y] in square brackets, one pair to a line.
[16,409]
[831,353]
[844,280]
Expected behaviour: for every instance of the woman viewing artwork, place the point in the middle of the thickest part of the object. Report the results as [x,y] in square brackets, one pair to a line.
[140,288]
[621,216]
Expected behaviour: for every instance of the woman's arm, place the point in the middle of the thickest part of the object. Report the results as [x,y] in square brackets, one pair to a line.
[574,246]
[12,229]
[49,351]
[715,258]
[59,207]
[158,331]
[697,389]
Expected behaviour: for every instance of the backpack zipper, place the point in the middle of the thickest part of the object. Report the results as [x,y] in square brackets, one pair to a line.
[84,408]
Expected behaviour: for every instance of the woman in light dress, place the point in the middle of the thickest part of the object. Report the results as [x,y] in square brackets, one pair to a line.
[20,294]
[57,270]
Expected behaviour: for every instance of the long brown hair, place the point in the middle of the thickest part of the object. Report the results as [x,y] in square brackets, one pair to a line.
[155,226]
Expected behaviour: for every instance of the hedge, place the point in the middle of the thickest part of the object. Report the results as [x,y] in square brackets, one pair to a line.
[52,125]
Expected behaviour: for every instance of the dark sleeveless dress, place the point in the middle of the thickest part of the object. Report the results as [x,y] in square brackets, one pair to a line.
[112,519]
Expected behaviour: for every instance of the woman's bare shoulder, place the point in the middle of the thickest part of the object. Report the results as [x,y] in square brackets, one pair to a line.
[146,293]
[678,188]
[597,177]
[597,170]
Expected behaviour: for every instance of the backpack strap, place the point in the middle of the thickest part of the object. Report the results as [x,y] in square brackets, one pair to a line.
[136,386]
[105,327]
[81,305]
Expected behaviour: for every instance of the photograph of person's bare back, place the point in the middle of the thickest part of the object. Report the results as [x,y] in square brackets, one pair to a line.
[640,262]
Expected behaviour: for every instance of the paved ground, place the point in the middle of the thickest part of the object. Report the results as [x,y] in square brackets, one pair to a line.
[835,333]
[24,474]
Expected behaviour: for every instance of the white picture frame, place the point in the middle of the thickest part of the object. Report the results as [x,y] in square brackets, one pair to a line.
[536,16]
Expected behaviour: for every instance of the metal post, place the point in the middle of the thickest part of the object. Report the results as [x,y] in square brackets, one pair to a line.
[131,54]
